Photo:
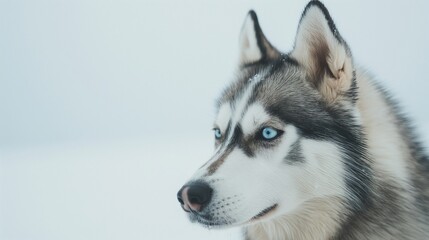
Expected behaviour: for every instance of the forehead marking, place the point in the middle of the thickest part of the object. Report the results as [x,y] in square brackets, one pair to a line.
[241,105]
[236,113]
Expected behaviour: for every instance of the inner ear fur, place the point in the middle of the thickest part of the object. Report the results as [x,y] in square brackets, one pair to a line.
[325,55]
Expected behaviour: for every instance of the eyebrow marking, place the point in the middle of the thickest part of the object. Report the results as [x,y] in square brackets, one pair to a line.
[254,117]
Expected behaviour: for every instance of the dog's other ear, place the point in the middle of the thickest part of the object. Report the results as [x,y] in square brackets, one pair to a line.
[254,46]
[325,55]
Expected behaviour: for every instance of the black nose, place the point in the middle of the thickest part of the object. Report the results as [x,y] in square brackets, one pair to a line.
[195,196]
[199,193]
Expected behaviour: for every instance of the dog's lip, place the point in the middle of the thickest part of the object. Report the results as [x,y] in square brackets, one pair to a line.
[264,212]
[210,223]
[203,219]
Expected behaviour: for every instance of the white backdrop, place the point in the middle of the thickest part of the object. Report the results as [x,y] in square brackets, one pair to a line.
[106,106]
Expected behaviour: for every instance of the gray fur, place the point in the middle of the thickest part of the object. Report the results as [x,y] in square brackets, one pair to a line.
[295,155]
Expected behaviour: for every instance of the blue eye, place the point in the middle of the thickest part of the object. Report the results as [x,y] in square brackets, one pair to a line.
[269,133]
[218,133]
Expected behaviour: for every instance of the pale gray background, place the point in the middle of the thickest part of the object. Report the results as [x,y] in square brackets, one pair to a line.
[106,106]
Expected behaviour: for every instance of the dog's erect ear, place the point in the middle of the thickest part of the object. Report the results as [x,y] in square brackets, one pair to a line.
[322,51]
[254,46]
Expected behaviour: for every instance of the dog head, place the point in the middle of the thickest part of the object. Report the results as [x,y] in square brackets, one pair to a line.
[286,131]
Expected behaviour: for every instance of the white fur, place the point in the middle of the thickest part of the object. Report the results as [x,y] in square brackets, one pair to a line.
[325,167]
[253,118]
[223,117]
[384,139]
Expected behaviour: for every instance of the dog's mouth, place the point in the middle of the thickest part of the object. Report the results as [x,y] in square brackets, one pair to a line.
[209,221]
[264,213]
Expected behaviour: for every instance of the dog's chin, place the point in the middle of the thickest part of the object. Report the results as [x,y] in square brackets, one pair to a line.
[209,222]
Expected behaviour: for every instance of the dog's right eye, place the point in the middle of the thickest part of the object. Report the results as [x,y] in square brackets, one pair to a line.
[270,133]
[218,133]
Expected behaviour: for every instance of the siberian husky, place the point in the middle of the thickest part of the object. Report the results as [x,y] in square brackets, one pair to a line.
[308,146]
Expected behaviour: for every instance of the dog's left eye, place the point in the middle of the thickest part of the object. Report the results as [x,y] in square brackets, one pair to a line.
[269,133]
[218,133]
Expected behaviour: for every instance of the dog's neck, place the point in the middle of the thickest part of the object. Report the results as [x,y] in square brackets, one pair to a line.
[317,219]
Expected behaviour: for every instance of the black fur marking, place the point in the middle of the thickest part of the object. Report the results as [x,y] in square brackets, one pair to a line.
[237,136]
[228,129]
[264,61]
[295,154]
[216,164]
[238,140]
[287,59]
[265,212]
[352,93]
